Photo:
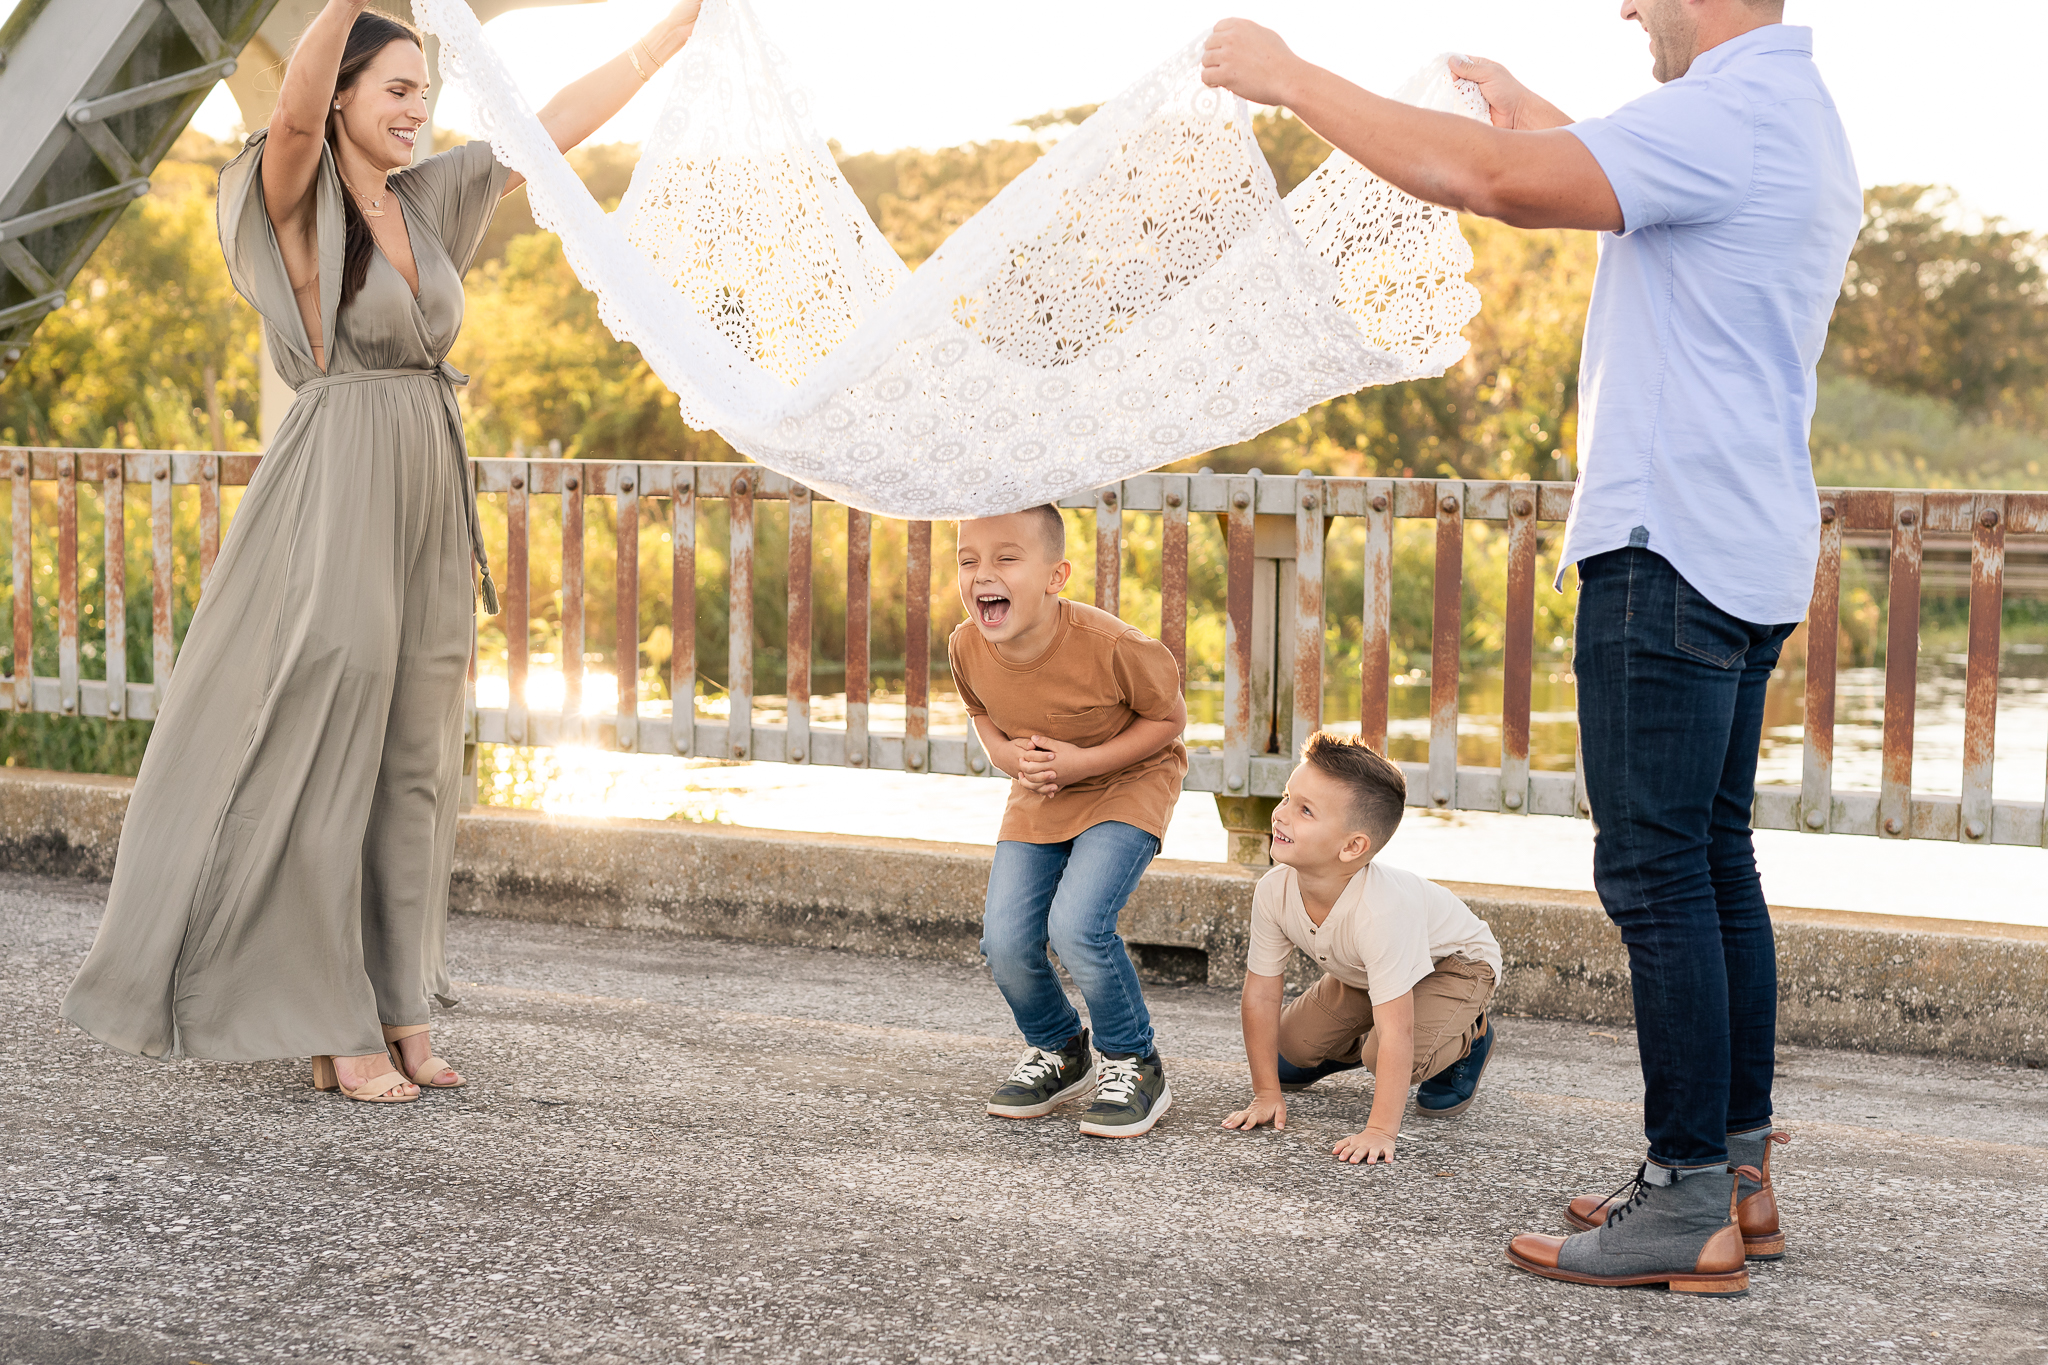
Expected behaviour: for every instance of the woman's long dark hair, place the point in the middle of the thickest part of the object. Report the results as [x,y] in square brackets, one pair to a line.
[371,34]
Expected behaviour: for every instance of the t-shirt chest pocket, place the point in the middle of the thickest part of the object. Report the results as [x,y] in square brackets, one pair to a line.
[1089,726]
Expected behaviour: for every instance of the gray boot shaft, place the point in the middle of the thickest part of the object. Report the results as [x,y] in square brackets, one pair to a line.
[1662,1228]
[1749,1149]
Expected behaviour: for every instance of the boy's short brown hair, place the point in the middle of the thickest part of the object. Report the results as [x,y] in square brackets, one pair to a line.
[1053,526]
[1379,794]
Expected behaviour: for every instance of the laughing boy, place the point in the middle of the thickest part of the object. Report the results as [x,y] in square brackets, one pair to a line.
[1085,713]
[1407,968]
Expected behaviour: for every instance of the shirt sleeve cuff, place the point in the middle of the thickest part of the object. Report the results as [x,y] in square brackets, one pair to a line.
[1600,136]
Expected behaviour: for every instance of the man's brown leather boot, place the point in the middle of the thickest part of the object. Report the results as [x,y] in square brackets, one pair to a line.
[1681,1234]
[1756,1210]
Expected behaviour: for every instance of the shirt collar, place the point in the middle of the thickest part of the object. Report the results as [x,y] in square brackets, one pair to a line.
[1755,43]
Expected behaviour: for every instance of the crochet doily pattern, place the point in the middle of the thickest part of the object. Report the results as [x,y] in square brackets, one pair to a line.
[1140,295]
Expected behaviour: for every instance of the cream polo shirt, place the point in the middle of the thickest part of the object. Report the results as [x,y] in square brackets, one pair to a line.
[1386,932]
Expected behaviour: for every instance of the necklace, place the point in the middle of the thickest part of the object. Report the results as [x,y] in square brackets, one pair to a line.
[372,208]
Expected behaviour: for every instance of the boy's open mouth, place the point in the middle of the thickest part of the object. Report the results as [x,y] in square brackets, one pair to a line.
[992,608]
[1280,838]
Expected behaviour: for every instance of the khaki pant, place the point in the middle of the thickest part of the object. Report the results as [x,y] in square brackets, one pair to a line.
[1332,1021]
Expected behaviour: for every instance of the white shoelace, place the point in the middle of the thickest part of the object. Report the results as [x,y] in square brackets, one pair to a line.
[1037,1063]
[1119,1079]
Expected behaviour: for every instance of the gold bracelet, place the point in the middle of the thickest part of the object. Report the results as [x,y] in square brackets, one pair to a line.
[633,56]
[647,52]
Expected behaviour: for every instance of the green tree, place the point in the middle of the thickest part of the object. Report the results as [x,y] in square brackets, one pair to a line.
[153,341]
[1934,307]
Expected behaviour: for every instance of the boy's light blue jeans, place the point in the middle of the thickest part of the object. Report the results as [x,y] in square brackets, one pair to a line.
[1070,895]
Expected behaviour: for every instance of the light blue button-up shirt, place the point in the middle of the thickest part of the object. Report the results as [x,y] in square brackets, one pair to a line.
[1740,204]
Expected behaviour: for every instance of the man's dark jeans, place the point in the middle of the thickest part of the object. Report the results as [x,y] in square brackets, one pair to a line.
[1671,709]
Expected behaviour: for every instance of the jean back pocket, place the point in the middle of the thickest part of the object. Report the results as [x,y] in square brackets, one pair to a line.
[1704,631]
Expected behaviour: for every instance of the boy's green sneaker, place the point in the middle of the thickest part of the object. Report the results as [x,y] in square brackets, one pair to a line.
[1132,1096]
[1043,1081]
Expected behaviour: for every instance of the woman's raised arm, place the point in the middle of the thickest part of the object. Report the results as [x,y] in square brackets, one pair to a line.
[291,154]
[587,103]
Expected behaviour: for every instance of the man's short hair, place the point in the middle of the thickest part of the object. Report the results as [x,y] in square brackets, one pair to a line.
[1379,794]
[1055,528]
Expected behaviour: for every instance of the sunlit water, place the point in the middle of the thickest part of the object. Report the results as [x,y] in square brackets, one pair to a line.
[1823,872]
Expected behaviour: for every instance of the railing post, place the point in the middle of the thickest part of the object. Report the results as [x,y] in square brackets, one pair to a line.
[1901,669]
[917,647]
[626,614]
[796,651]
[114,584]
[1109,552]
[1375,661]
[1518,661]
[518,604]
[682,613]
[67,582]
[572,598]
[209,517]
[1249,836]
[739,646]
[1173,572]
[24,586]
[859,551]
[162,603]
[1446,629]
[1237,640]
[1980,692]
[1307,625]
[1823,637]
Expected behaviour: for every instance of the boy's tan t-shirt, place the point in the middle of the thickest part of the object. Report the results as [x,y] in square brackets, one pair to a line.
[1387,931]
[1096,677]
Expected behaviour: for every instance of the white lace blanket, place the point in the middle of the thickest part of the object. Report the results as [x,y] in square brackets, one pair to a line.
[1140,295]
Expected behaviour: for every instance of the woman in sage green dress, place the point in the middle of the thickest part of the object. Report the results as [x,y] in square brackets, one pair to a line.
[282,883]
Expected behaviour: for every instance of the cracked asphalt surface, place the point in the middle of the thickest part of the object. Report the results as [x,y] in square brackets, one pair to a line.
[678,1149]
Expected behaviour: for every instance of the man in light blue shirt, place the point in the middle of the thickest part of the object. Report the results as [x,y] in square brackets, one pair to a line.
[1730,203]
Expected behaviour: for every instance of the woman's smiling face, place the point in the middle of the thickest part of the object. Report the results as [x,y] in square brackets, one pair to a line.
[382,113]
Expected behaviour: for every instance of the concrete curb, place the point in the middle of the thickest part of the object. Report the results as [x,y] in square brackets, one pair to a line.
[1870,982]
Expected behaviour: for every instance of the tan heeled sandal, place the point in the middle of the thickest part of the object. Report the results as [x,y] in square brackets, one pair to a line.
[431,1067]
[376,1090]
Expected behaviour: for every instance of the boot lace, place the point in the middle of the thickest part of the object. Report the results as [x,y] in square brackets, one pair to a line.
[1119,1080]
[1037,1065]
[1632,1194]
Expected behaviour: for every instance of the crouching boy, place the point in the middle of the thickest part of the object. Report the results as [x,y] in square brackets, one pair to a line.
[1407,968]
[1086,714]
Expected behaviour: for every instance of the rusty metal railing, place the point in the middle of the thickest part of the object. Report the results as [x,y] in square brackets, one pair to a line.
[1276,609]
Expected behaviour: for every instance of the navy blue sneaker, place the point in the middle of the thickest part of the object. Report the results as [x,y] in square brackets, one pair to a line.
[1294,1078]
[1451,1090]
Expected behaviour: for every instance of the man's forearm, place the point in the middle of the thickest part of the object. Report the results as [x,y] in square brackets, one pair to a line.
[1432,155]
[1528,179]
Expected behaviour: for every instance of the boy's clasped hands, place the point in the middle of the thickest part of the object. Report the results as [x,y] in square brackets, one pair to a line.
[1045,765]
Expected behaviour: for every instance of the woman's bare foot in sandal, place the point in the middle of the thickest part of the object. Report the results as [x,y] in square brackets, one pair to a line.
[415,1052]
[357,1072]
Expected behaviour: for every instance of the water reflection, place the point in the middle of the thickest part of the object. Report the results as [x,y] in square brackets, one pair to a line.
[2020,772]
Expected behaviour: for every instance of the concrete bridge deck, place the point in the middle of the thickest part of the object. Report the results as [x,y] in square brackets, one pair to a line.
[679,1149]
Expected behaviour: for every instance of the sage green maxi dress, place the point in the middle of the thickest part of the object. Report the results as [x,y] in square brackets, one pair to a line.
[282,881]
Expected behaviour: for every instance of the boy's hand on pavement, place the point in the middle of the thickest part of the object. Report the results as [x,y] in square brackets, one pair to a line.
[1259,1113]
[1369,1146]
